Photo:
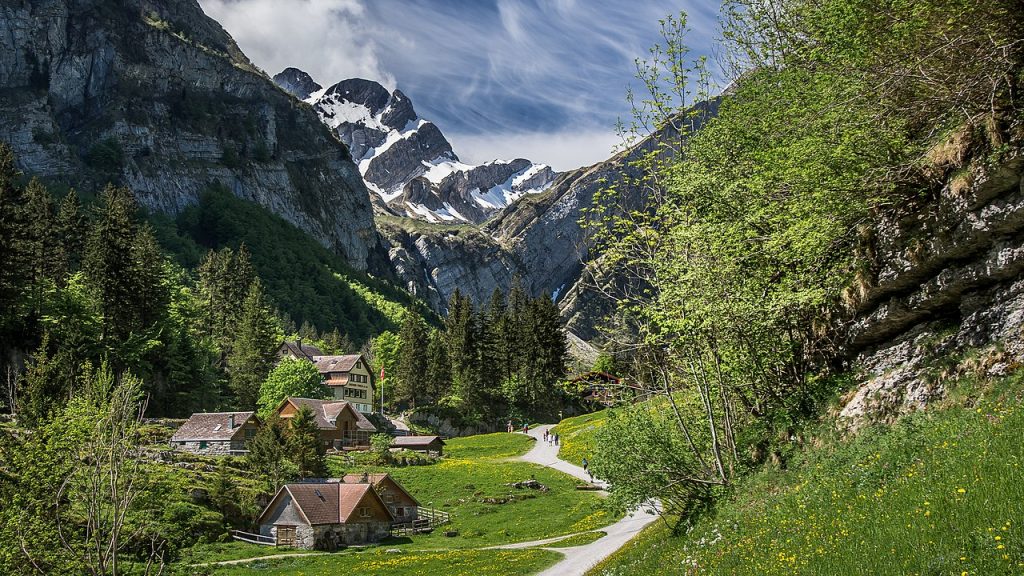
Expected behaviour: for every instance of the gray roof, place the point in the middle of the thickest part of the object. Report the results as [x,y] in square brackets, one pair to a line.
[211,426]
[327,364]
[413,441]
[302,349]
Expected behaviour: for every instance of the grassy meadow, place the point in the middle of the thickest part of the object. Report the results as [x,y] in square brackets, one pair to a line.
[576,436]
[940,492]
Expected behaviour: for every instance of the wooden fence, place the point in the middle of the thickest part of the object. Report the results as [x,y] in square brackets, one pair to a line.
[253,538]
[428,519]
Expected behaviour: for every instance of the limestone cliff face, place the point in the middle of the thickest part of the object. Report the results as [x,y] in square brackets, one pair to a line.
[946,294]
[156,95]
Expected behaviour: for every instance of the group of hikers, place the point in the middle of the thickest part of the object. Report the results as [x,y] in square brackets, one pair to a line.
[551,438]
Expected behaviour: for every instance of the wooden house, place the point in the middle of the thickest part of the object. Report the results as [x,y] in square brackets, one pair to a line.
[341,425]
[349,378]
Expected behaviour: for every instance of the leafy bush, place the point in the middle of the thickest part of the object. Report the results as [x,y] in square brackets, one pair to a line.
[106,156]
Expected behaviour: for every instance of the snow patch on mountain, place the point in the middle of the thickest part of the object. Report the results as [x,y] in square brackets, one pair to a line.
[409,163]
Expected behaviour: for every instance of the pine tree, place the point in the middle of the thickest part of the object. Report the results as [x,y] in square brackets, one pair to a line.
[254,349]
[412,359]
[304,445]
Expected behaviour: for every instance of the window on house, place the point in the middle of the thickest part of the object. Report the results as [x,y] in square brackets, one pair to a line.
[364,512]
[250,433]
[399,511]
[389,498]
[202,445]
[286,535]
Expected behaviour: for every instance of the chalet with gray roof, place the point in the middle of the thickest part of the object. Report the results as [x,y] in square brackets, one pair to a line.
[325,515]
[349,378]
[216,433]
[341,425]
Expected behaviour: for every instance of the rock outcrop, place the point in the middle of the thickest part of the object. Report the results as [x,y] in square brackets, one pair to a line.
[946,295]
[297,83]
[157,96]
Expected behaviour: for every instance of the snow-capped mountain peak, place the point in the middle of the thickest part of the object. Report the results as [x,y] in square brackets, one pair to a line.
[408,162]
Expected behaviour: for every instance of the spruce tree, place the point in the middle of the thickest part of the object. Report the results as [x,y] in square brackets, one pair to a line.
[109,262]
[439,371]
[266,457]
[254,349]
[14,261]
[412,359]
[304,445]
[40,243]
[71,231]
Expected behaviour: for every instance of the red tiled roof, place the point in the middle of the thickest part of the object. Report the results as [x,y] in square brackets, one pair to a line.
[377,480]
[327,503]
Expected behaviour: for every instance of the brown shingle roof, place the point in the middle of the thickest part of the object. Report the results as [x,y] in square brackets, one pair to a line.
[326,364]
[327,503]
[415,441]
[377,480]
[327,411]
[210,426]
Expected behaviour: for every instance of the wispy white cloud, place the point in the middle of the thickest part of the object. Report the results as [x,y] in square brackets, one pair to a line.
[562,151]
[327,38]
[491,74]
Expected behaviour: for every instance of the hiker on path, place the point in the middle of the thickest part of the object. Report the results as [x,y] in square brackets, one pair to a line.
[556,439]
[511,429]
[546,435]
[586,465]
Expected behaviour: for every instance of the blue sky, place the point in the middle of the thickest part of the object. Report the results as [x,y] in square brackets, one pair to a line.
[541,79]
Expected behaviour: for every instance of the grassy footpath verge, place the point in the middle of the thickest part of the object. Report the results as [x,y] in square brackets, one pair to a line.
[471,483]
[378,561]
[576,436]
[940,492]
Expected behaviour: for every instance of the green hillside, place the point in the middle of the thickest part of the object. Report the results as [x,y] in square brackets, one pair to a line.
[941,492]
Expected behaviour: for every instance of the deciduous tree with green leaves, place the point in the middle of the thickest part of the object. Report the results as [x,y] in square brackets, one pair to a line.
[290,378]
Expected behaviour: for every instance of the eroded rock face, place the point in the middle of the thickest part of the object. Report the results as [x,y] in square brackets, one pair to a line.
[948,283]
[156,95]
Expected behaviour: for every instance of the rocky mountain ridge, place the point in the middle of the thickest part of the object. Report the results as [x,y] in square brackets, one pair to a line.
[407,161]
[157,96]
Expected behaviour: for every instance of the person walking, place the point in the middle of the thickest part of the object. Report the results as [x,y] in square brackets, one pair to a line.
[556,439]
[510,428]
[586,466]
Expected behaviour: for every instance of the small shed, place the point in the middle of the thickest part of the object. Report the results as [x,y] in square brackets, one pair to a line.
[216,433]
[429,444]
[325,515]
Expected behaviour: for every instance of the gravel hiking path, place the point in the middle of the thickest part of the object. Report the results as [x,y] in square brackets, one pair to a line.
[579,559]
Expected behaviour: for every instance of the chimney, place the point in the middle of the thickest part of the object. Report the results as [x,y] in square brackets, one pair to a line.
[231,421]
[298,344]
